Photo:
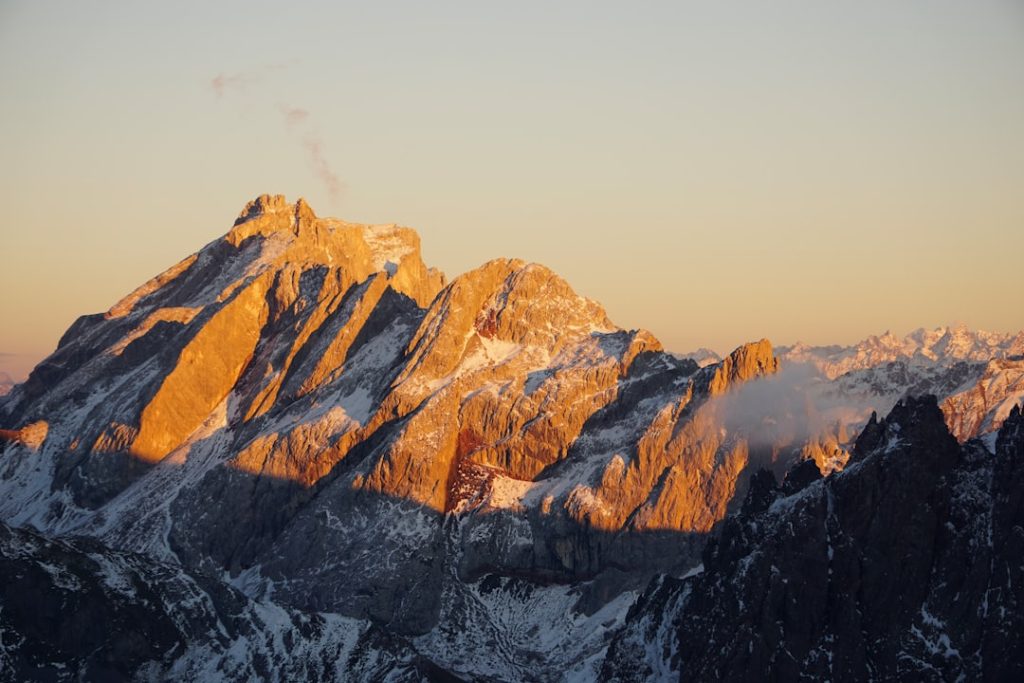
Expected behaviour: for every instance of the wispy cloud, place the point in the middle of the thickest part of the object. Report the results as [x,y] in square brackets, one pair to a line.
[224,83]
[293,116]
[297,120]
[221,83]
[791,407]
[321,167]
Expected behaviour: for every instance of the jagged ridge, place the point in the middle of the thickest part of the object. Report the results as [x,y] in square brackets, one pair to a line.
[905,565]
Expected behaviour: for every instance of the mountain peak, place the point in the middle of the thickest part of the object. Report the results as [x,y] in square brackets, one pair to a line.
[303,211]
[267,204]
[268,214]
[754,359]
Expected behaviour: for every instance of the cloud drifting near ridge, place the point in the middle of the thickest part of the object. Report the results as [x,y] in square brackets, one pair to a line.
[791,408]
[296,119]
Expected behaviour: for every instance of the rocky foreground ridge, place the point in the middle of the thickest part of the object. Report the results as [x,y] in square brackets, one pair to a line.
[331,449]
[77,610]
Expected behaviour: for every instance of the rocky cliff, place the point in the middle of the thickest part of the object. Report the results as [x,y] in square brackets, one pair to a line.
[907,565]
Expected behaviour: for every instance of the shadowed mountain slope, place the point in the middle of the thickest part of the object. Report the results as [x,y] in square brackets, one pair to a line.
[905,566]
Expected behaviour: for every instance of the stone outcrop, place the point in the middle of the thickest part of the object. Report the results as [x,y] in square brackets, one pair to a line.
[747,362]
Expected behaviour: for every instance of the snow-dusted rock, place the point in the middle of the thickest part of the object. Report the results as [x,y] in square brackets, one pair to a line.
[907,565]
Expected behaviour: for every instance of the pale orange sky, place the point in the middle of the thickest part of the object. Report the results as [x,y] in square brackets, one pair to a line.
[713,173]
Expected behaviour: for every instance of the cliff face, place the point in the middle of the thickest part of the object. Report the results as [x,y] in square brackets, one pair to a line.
[304,399]
[907,564]
[981,407]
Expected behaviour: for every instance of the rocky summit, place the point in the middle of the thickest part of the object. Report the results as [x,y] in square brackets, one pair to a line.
[301,453]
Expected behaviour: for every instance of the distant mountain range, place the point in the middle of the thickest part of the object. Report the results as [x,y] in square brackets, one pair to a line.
[978,375]
[943,346]
[302,453]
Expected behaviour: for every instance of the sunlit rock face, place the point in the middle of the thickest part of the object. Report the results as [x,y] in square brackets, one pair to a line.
[980,407]
[31,435]
[304,400]
[218,332]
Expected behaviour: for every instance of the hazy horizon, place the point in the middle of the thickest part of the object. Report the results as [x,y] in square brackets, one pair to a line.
[795,171]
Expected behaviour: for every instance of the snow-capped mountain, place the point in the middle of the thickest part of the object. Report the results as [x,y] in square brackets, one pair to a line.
[978,375]
[306,410]
[302,444]
[980,407]
[943,346]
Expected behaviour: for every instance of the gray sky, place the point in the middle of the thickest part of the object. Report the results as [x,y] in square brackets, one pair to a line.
[714,172]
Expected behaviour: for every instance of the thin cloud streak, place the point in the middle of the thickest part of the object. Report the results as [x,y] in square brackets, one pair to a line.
[224,83]
[221,83]
[321,167]
[296,119]
[312,143]
[293,116]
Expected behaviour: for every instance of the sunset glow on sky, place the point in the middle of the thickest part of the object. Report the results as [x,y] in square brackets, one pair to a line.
[715,173]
